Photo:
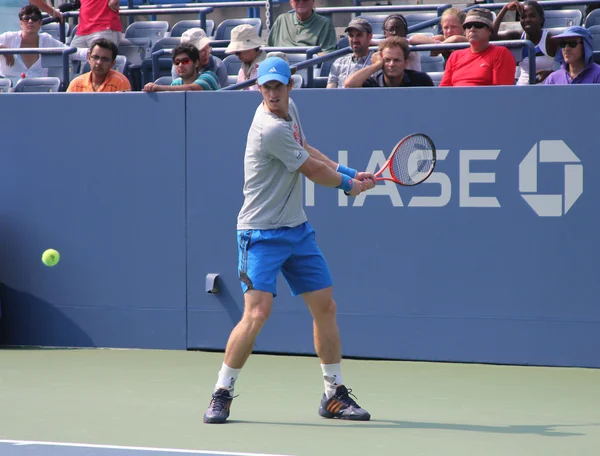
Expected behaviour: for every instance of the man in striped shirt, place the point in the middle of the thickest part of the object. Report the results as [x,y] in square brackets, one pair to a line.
[186,58]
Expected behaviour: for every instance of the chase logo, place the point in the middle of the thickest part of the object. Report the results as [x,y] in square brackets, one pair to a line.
[551,152]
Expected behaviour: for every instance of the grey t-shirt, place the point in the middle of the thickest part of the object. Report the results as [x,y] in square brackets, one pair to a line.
[272,182]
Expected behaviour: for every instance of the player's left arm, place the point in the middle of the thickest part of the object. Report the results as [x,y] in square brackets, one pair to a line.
[317,155]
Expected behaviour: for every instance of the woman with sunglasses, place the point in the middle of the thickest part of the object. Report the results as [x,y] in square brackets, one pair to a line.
[13,66]
[531,17]
[482,64]
[186,58]
[578,66]
[10,8]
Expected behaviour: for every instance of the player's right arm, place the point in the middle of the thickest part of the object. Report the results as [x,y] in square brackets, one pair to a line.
[320,173]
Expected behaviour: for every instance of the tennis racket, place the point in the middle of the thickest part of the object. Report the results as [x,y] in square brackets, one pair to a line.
[411,162]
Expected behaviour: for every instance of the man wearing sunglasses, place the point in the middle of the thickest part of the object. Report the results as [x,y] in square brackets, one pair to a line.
[482,64]
[186,59]
[577,51]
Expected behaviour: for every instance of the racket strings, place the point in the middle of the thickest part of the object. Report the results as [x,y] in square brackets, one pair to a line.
[413,160]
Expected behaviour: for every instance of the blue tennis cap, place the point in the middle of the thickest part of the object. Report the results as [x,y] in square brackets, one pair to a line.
[274,69]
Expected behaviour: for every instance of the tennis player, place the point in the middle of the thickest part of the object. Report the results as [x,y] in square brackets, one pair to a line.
[274,235]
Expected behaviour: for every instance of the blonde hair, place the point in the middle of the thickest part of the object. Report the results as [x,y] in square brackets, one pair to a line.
[460,14]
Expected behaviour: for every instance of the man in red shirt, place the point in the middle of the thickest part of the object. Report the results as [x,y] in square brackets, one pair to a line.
[98,19]
[482,64]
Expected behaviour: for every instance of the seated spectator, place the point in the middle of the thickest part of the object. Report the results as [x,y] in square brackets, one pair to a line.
[101,78]
[208,62]
[186,58]
[98,19]
[389,68]
[532,22]
[10,8]
[578,66]
[30,65]
[304,28]
[246,45]
[452,28]
[360,33]
[482,64]
[396,25]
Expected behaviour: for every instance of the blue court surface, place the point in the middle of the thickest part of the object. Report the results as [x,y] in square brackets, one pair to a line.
[30,448]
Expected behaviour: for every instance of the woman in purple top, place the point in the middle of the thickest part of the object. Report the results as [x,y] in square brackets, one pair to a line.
[578,66]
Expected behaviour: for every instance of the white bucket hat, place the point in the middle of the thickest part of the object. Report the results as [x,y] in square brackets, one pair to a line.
[243,38]
[197,37]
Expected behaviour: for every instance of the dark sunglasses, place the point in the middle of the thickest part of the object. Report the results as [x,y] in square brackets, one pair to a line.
[477,25]
[34,18]
[571,44]
[184,61]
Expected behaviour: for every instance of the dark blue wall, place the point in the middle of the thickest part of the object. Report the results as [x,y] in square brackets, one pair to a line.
[142,197]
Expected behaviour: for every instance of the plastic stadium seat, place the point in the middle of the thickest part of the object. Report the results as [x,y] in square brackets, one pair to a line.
[593,18]
[223,31]
[595,32]
[146,34]
[4,85]
[165,62]
[431,64]
[417,18]
[182,26]
[53,30]
[562,18]
[436,77]
[320,81]
[233,65]
[164,80]
[37,85]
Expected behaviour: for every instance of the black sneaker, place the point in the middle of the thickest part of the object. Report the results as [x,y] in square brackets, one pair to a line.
[218,410]
[342,406]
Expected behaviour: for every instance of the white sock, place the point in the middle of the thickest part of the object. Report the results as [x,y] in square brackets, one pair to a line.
[332,374]
[227,378]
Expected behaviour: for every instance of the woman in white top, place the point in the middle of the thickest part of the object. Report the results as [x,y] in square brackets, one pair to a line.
[532,22]
[12,66]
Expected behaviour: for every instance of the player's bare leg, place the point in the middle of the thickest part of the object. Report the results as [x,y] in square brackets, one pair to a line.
[336,402]
[257,308]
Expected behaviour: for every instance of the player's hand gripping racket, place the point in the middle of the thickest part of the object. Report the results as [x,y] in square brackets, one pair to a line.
[411,162]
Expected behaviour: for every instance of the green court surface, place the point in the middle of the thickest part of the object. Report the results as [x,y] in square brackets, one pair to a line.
[147,398]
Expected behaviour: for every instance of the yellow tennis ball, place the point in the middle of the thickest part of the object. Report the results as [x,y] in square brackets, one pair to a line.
[50,257]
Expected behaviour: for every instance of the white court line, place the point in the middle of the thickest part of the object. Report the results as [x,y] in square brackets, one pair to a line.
[116,447]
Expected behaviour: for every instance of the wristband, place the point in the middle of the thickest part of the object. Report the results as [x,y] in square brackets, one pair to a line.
[346,184]
[347,171]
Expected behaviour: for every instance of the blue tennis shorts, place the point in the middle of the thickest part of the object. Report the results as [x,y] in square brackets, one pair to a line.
[262,254]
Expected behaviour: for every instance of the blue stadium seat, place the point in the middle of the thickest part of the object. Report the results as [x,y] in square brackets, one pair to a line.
[164,80]
[4,84]
[146,34]
[562,18]
[233,65]
[431,64]
[294,59]
[595,32]
[182,26]
[53,29]
[417,18]
[593,18]
[38,85]
[223,31]
[165,62]
[436,77]
[320,81]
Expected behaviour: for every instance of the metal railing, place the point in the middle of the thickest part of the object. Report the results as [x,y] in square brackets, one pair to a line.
[66,52]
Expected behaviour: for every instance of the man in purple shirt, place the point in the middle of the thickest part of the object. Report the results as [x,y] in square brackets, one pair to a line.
[578,66]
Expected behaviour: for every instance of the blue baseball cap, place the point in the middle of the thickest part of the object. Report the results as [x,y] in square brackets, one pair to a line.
[274,69]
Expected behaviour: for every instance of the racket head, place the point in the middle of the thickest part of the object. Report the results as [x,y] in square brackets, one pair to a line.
[413,160]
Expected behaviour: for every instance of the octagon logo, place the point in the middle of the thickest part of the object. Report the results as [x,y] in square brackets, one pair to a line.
[551,152]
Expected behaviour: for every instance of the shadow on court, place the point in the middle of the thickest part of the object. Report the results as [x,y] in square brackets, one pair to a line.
[541,430]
